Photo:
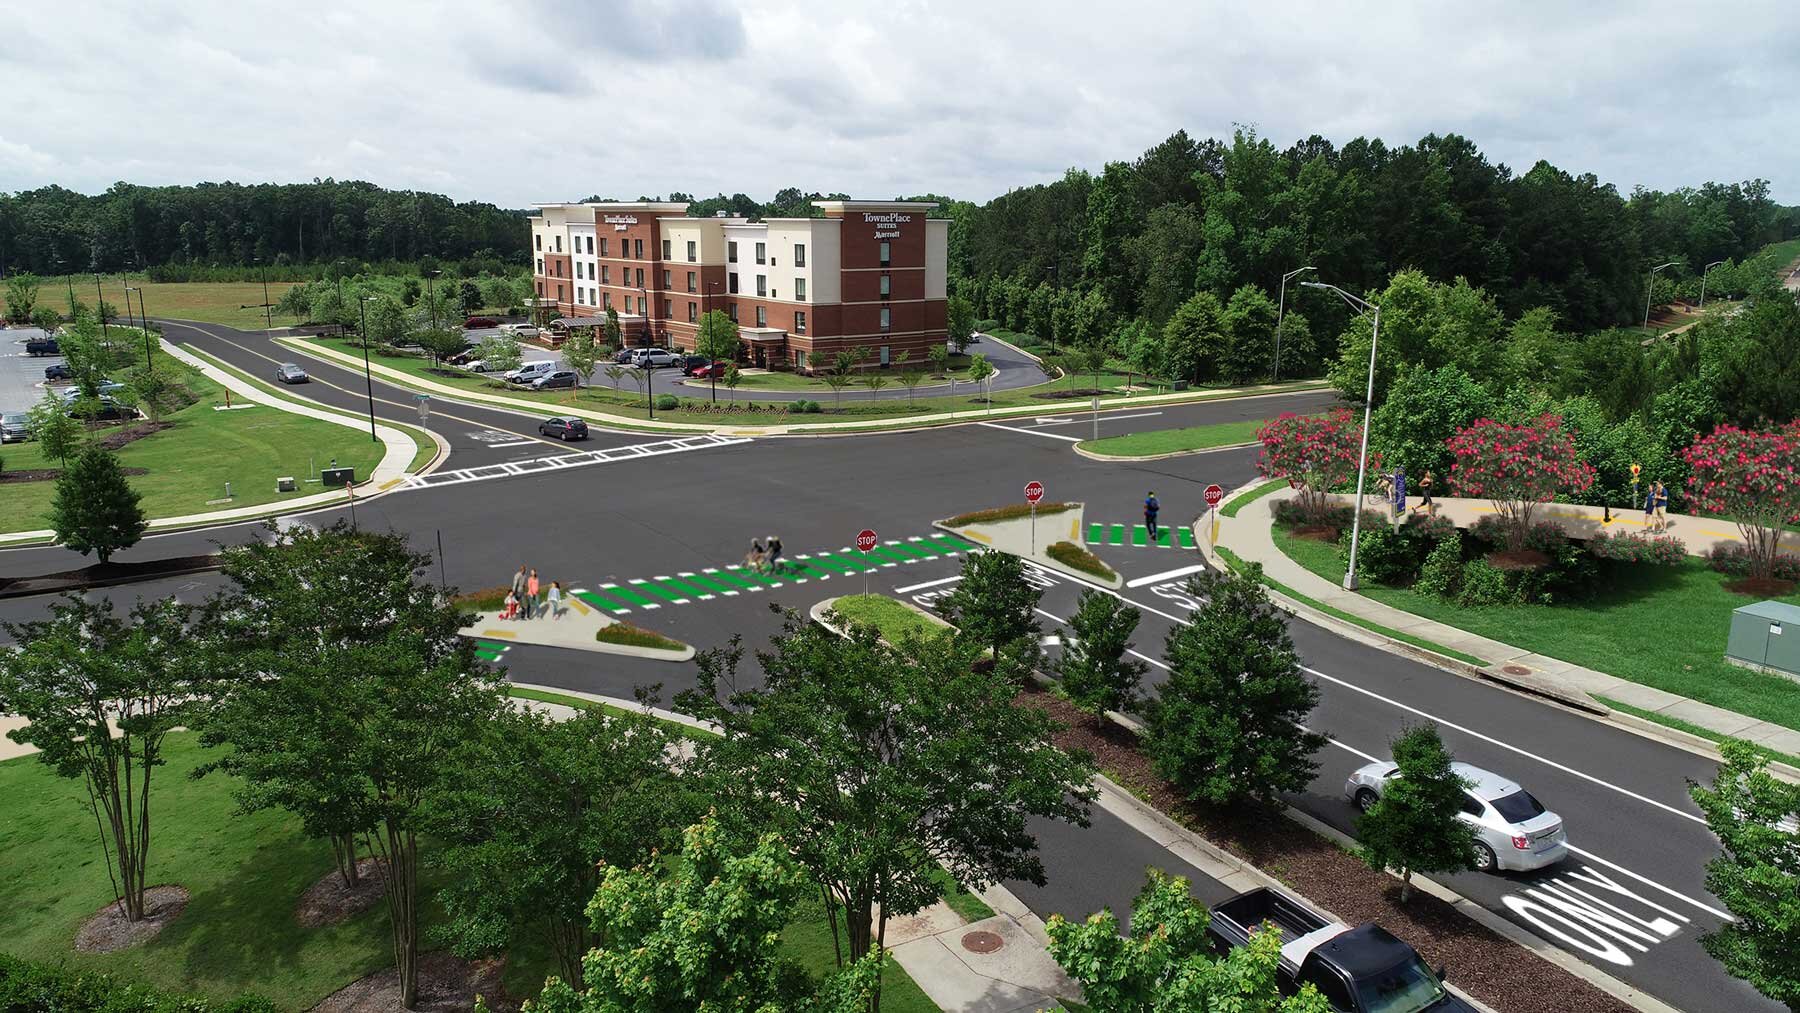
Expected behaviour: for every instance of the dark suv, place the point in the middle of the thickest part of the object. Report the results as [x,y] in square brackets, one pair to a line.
[42,346]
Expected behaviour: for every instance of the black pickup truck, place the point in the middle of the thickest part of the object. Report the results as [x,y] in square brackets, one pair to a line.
[1358,970]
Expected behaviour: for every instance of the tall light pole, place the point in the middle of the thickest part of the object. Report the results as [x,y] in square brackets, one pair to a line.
[1362,463]
[431,287]
[268,314]
[712,363]
[1703,273]
[100,310]
[648,367]
[143,319]
[1280,313]
[1650,288]
[362,308]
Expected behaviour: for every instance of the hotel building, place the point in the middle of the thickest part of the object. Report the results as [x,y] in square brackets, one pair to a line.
[869,274]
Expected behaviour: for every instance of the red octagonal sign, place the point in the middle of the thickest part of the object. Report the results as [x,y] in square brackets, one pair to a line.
[1213,495]
[865,540]
[1034,491]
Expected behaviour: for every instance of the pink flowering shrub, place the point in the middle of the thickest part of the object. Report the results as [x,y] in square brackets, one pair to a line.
[1752,477]
[1516,467]
[1636,547]
[1315,453]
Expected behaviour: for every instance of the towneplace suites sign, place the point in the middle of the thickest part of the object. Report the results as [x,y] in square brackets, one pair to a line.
[621,222]
[887,226]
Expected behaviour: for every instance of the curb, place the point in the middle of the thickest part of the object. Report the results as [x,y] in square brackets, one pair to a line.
[674,717]
[971,532]
[1159,457]
[108,582]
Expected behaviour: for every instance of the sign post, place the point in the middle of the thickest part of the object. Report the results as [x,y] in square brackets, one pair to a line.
[424,408]
[1636,469]
[1034,491]
[1213,495]
[1096,416]
[865,544]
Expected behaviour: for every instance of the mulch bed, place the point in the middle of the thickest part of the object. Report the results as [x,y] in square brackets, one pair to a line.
[1524,559]
[1761,587]
[447,984]
[1318,533]
[107,931]
[329,901]
[129,434]
[1496,970]
[51,474]
[1065,394]
[101,574]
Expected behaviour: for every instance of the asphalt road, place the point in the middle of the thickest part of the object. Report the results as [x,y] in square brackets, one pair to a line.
[1631,901]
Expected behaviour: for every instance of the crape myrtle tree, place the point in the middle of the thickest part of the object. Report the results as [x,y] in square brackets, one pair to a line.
[1166,964]
[1757,875]
[994,608]
[21,297]
[1516,467]
[100,694]
[717,338]
[882,764]
[1413,825]
[1752,477]
[1226,726]
[499,353]
[348,697]
[1315,453]
[580,353]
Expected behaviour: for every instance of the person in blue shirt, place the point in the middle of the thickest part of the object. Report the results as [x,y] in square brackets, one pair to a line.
[1151,509]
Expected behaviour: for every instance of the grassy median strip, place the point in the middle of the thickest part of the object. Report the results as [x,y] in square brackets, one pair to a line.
[893,619]
[1011,512]
[1157,442]
[1074,556]
[636,636]
[1231,509]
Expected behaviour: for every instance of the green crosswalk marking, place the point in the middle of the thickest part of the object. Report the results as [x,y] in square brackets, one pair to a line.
[909,550]
[606,600]
[842,564]
[922,549]
[1163,535]
[1116,536]
[949,543]
[1140,535]
[806,568]
[687,590]
[741,577]
[707,582]
[642,586]
[1096,533]
[1187,538]
[883,551]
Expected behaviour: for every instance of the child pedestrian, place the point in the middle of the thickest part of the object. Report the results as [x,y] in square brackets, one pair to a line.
[532,608]
[1151,509]
[511,611]
[755,558]
[555,599]
[774,554]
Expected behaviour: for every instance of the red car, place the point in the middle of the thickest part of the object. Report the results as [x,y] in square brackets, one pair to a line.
[474,322]
[709,371]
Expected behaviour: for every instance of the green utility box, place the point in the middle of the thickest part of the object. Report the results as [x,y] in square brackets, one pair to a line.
[1766,636]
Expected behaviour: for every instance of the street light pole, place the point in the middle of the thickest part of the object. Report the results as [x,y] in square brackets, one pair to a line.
[1280,314]
[1362,463]
[1704,272]
[1650,288]
[268,314]
[100,311]
[712,371]
[362,308]
[144,320]
[648,367]
[431,287]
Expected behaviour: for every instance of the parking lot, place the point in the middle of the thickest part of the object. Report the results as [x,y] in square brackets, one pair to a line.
[21,375]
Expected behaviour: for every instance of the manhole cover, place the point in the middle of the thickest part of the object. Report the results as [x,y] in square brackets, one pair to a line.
[1516,670]
[982,942]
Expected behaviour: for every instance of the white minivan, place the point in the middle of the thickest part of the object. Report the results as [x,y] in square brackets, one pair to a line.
[531,371]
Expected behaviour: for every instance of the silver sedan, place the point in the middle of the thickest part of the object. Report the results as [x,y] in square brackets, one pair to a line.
[1513,830]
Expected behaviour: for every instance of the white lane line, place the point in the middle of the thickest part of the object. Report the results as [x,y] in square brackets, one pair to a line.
[930,583]
[1590,856]
[1157,578]
[1033,432]
[515,443]
[1103,418]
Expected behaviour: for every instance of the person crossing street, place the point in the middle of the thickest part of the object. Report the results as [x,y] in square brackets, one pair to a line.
[1151,509]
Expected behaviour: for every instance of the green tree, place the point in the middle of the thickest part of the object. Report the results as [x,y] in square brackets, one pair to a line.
[87,354]
[1226,726]
[1096,675]
[59,435]
[959,322]
[982,371]
[546,805]
[910,375]
[994,607]
[939,357]
[21,296]
[388,322]
[615,334]
[1412,825]
[733,377]
[580,354]
[872,379]
[151,391]
[499,353]
[468,295]
[1165,964]
[99,697]
[1247,324]
[94,508]
[881,763]
[1143,348]
[441,342]
[842,373]
[46,319]
[1423,409]
[1756,817]
[1192,339]
[702,933]
[717,338]
[373,692]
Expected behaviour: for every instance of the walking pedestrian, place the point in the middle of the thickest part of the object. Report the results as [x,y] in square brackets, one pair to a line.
[555,598]
[1151,509]
[533,609]
[518,592]
[1662,507]
[1650,506]
[1399,491]
[1425,503]
[756,557]
[774,554]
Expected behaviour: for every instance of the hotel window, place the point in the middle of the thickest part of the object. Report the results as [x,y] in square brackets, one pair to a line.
[731,283]
[640,277]
[800,289]
[887,318]
[692,287]
[799,323]
[691,315]
[731,252]
[666,244]
[559,293]
[799,359]
[799,254]
[668,308]
[590,244]
[559,244]
[581,295]
[638,246]
[605,275]
[762,286]
[668,279]
[606,300]
[537,239]
[731,308]
[887,256]
[603,246]
[887,286]
[761,252]
[762,317]
[540,265]
[693,251]
[641,306]
[540,290]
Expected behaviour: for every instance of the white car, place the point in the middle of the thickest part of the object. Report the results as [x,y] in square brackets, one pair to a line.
[520,330]
[657,357]
[1513,830]
[479,366]
[531,371]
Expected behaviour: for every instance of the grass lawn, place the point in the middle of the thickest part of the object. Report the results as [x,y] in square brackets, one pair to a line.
[1175,441]
[1659,626]
[1692,729]
[233,303]
[800,382]
[1231,509]
[190,462]
[892,618]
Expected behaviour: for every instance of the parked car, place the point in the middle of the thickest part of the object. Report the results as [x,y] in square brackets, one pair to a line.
[563,429]
[1358,970]
[530,371]
[60,371]
[624,356]
[463,357]
[480,366]
[477,322]
[657,357]
[110,410]
[521,330]
[15,427]
[689,363]
[556,379]
[708,371]
[42,346]
[1513,830]
[289,372]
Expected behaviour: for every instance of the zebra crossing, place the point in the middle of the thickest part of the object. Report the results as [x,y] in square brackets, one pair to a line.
[1168,536]
[557,462]
[689,586]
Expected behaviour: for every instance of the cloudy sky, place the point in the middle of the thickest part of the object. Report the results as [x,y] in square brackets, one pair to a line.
[517,102]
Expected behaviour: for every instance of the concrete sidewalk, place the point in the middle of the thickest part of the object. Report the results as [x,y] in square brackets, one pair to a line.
[1698,534]
[398,449]
[1249,536]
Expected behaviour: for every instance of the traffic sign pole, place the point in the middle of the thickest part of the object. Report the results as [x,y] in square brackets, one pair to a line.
[865,544]
[1034,491]
[1213,495]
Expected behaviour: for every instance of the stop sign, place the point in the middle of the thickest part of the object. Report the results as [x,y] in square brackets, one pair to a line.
[865,540]
[1213,495]
[1034,491]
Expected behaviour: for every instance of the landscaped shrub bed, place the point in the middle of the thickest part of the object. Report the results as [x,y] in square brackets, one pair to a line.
[636,636]
[491,599]
[1735,560]
[26,985]
[1634,547]
[1006,513]
[1072,555]
[1289,512]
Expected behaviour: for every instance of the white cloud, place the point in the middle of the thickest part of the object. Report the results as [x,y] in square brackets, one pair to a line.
[543,99]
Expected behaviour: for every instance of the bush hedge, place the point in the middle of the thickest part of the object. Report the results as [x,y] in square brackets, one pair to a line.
[1735,560]
[1011,512]
[667,402]
[1634,547]
[1071,555]
[26,985]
